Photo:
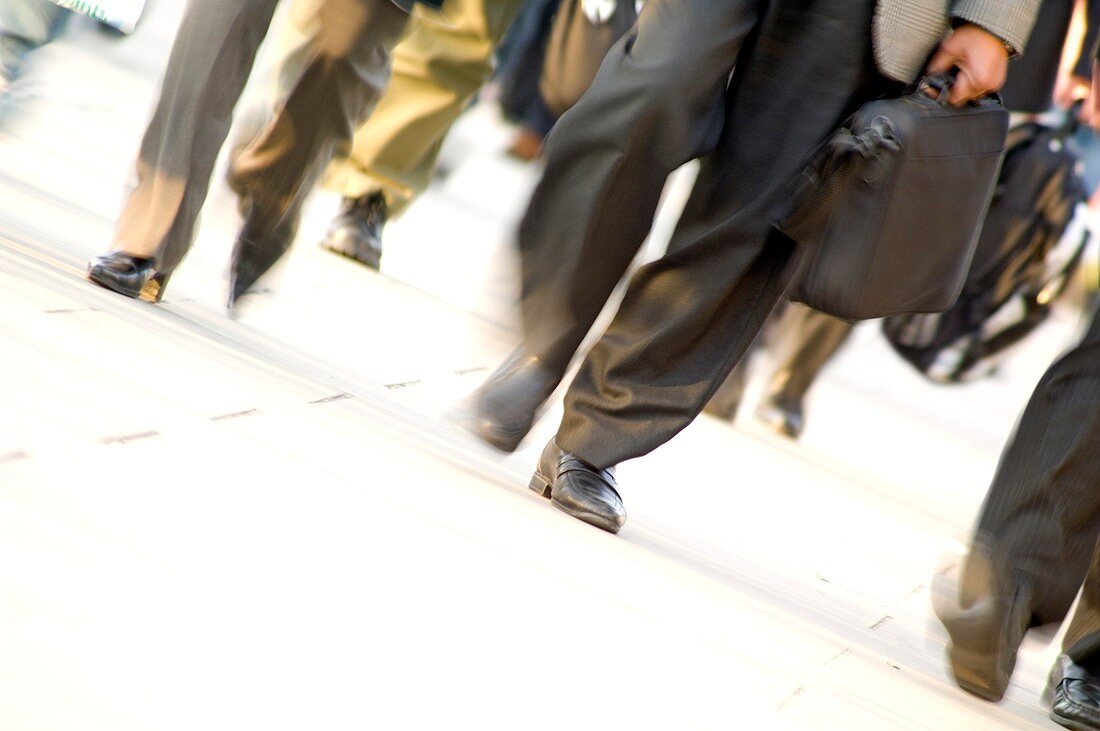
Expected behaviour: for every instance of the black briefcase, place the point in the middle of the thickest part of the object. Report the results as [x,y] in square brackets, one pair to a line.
[891,206]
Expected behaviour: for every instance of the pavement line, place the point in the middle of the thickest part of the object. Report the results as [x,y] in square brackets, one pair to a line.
[235,415]
[126,438]
[405,384]
[330,399]
[13,456]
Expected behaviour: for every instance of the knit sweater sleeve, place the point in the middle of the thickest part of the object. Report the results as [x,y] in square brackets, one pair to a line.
[1009,20]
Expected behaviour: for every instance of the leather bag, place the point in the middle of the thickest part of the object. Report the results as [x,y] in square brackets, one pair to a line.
[582,33]
[891,206]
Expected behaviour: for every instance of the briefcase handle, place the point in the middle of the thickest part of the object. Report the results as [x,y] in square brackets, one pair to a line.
[942,84]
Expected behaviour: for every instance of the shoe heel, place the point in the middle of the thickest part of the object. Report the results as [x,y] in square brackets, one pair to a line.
[154,289]
[540,484]
[981,673]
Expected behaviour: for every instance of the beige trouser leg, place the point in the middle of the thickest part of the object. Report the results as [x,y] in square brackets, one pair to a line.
[436,72]
[209,63]
[806,341]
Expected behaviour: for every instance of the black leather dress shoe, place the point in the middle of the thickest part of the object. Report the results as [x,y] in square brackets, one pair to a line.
[986,610]
[357,232]
[132,276]
[259,246]
[505,407]
[579,489]
[1075,696]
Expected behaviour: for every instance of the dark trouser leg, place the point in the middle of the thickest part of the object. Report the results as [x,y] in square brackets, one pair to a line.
[690,316]
[1043,506]
[655,104]
[1082,639]
[345,67]
[210,61]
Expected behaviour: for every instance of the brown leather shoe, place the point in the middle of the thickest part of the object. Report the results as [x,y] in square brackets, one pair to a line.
[986,609]
[579,489]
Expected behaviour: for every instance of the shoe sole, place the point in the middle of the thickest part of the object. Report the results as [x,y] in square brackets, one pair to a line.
[93,277]
[979,673]
[151,291]
[494,436]
[540,484]
[984,672]
[1071,724]
[348,252]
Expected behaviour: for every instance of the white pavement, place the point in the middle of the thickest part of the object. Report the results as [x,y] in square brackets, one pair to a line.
[270,523]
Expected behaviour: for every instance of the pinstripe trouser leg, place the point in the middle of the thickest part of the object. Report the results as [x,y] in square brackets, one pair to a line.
[1043,506]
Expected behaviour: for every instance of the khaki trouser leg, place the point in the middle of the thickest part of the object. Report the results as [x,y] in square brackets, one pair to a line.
[436,72]
[807,340]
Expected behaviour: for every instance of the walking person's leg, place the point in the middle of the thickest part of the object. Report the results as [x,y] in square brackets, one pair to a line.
[345,66]
[24,26]
[806,341]
[656,103]
[437,70]
[688,317]
[210,60]
[1037,529]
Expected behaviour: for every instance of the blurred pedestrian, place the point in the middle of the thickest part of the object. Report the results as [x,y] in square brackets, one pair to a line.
[438,69]
[344,65]
[663,96]
[24,26]
[437,72]
[802,341]
[517,79]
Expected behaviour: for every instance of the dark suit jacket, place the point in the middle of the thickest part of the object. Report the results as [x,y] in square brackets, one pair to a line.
[1031,79]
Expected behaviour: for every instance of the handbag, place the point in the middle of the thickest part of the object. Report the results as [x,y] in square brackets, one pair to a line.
[891,206]
[122,15]
[581,35]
